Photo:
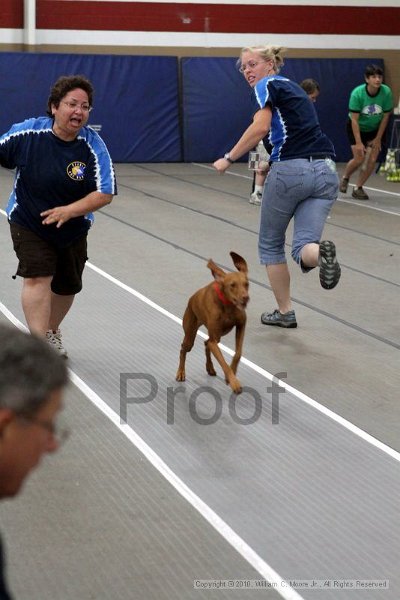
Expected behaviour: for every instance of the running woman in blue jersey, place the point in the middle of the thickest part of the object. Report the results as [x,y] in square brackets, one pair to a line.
[63,172]
[302,183]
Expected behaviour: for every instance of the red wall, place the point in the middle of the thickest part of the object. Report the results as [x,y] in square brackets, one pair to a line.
[212,18]
[11,14]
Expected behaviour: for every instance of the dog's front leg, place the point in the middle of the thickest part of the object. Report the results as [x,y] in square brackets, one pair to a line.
[230,376]
[209,366]
[239,337]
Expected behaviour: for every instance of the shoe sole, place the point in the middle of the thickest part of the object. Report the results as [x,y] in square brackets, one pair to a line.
[359,198]
[329,269]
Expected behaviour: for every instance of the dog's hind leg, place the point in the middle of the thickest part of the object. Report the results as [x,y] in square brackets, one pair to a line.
[190,327]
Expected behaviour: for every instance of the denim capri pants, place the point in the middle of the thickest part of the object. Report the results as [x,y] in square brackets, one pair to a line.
[303,189]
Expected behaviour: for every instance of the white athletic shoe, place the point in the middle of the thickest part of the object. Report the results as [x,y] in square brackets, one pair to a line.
[55,339]
[255,198]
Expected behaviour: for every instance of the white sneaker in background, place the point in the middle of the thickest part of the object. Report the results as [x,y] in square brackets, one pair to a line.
[55,339]
[255,198]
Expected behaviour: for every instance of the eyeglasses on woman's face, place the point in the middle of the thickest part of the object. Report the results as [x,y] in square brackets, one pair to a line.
[75,105]
[252,64]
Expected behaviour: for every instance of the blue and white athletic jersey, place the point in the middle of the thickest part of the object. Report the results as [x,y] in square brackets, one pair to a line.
[51,172]
[295,131]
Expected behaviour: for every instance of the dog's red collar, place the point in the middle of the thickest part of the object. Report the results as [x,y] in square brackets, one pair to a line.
[220,295]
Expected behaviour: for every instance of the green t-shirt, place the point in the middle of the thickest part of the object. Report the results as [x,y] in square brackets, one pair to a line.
[370,108]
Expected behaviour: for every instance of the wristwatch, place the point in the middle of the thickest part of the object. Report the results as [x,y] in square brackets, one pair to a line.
[227,157]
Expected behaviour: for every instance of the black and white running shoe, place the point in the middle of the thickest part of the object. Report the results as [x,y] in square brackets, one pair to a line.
[329,268]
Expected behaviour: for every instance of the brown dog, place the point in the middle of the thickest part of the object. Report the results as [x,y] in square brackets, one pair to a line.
[219,306]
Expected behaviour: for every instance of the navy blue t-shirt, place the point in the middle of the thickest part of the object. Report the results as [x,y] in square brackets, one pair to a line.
[51,172]
[295,130]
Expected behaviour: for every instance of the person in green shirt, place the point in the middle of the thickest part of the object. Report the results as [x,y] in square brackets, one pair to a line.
[370,106]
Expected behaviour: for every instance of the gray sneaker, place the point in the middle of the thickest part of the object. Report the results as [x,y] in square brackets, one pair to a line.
[54,338]
[344,185]
[359,194]
[279,319]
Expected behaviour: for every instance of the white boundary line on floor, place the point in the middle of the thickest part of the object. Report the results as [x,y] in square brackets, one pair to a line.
[278,584]
[388,212]
[384,210]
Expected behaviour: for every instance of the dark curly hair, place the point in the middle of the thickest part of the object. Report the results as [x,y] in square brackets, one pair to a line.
[373,70]
[65,84]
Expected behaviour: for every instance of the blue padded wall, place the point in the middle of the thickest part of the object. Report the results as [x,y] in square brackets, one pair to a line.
[217,107]
[217,104]
[136,103]
[138,100]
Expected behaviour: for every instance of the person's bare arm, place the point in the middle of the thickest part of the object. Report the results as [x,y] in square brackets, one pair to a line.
[377,141]
[62,214]
[254,133]
[359,146]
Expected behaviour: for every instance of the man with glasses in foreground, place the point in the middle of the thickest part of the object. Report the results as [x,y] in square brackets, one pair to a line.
[63,173]
[32,380]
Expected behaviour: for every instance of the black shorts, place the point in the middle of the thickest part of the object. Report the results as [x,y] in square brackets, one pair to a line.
[366,136]
[38,258]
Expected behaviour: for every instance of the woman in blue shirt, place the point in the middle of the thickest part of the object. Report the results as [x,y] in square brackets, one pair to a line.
[302,182]
[63,173]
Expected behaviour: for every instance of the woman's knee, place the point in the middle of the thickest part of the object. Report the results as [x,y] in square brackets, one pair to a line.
[306,255]
[37,282]
[358,157]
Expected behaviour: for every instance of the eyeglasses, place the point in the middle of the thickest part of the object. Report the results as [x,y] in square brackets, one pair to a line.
[75,105]
[60,434]
[252,64]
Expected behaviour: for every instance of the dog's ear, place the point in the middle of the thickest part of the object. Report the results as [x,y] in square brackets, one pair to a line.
[239,262]
[217,272]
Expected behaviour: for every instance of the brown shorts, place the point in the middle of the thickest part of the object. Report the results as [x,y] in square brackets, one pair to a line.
[38,258]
